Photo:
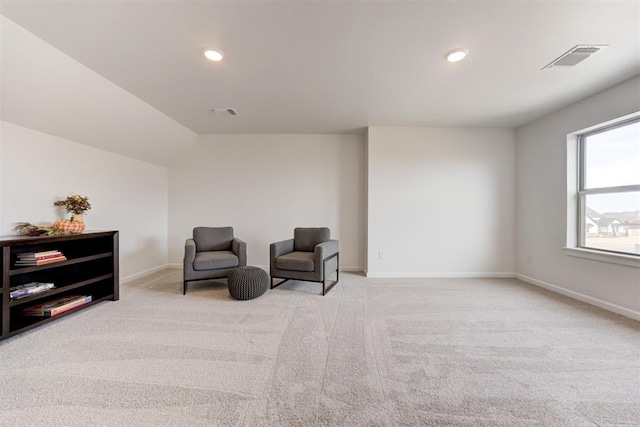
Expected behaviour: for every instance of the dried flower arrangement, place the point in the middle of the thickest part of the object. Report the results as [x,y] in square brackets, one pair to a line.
[75,204]
[78,205]
[28,229]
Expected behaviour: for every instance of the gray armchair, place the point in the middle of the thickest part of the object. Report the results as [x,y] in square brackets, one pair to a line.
[211,254]
[309,256]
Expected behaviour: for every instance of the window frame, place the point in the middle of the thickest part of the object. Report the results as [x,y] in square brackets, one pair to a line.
[582,192]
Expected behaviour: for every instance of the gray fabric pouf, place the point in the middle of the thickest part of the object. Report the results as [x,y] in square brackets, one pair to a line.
[247,282]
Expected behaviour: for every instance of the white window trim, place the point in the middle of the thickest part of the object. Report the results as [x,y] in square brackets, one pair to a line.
[572,247]
[602,256]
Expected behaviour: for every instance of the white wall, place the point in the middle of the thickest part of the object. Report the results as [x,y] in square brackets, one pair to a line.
[126,194]
[542,205]
[67,99]
[265,186]
[441,202]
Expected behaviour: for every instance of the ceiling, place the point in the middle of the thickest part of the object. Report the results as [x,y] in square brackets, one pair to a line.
[340,66]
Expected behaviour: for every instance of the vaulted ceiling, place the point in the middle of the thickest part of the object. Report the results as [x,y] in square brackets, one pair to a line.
[340,66]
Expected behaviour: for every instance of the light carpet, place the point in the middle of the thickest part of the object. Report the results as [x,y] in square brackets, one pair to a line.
[373,352]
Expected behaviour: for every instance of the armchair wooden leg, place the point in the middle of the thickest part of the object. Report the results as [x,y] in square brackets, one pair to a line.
[184,287]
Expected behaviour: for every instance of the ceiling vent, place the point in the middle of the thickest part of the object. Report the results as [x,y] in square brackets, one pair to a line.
[223,112]
[574,56]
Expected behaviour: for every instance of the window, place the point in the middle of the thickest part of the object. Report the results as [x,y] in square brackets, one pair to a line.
[609,188]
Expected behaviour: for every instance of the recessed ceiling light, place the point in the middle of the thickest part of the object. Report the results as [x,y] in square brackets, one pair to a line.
[456,55]
[214,55]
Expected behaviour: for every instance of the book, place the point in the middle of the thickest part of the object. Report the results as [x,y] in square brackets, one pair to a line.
[51,260]
[27,289]
[52,251]
[41,255]
[57,306]
[29,285]
[30,262]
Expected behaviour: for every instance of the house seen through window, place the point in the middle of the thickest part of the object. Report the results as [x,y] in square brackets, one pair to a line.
[609,188]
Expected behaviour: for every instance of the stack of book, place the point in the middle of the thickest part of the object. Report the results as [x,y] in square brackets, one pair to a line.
[27,289]
[57,306]
[40,258]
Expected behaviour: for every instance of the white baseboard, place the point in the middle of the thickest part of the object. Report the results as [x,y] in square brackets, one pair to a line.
[438,275]
[627,312]
[352,269]
[143,273]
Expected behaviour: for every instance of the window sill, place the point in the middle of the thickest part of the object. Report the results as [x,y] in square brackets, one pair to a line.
[628,260]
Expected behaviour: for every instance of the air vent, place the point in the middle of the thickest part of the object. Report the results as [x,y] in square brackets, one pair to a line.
[574,56]
[221,112]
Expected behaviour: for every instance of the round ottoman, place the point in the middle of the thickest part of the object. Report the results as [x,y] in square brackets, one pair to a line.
[247,282]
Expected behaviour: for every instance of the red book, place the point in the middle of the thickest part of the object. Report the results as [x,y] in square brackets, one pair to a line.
[57,306]
[53,255]
[51,260]
[38,255]
[32,262]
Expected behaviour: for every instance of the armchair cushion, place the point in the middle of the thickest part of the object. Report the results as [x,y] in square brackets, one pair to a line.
[296,261]
[306,239]
[215,260]
[213,238]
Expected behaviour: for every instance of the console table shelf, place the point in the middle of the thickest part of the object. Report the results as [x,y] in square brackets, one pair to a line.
[91,268]
[23,270]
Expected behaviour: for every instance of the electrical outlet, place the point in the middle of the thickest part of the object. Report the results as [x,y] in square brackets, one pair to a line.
[380,255]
